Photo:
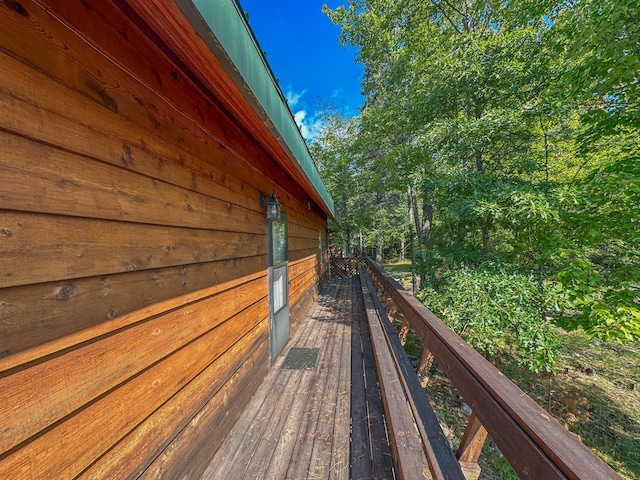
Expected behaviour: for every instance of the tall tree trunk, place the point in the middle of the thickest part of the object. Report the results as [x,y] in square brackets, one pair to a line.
[546,148]
[427,218]
[411,240]
[423,222]
[378,247]
[413,202]
[479,161]
[486,239]
[378,229]
[346,243]
[350,243]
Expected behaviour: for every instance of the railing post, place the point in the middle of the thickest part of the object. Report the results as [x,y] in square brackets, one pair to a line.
[470,447]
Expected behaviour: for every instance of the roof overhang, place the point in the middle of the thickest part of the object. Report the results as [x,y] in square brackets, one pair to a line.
[218,31]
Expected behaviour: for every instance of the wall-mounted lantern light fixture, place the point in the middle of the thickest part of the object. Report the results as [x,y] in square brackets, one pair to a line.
[273,205]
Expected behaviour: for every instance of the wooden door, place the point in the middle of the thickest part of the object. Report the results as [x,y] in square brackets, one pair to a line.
[278,286]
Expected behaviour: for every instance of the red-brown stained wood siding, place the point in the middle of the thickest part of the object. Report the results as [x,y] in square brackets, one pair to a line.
[133,292]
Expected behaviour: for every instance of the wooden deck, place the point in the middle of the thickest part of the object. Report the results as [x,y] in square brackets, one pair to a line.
[323,422]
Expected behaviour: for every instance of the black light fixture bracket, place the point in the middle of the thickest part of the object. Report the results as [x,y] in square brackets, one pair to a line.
[273,205]
[264,198]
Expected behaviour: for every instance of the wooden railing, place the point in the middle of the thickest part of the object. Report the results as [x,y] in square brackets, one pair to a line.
[419,447]
[534,443]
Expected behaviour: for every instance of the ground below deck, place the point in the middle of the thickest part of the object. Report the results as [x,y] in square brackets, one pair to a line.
[319,419]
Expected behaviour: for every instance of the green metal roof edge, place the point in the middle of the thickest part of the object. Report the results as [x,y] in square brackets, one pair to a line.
[227,23]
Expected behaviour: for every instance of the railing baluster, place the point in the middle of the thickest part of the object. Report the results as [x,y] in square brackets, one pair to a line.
[404,330]
[470,447]
[426,362]
[393,309]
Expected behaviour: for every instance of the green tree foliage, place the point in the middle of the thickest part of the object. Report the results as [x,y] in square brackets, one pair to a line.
[495,307]
[511,131]
[370,210]
[332,151]
[600,40]
[598,267]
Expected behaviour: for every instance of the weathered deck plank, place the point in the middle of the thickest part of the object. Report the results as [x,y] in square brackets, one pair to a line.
[238,451]
[333,412]
[298,423]
[316,415]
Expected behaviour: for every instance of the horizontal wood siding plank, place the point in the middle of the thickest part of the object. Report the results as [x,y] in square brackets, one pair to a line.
[55,311]
[48,112]
[303,244]
[301,307]
[43,248]
[95,368]
[134,79]
[301,283]
[189,453]
[40,178]
[303,290]
[119,322]
[120,143]
[71,446]
[295,255]
[183,115]
[300,266]
[156,159]
[109,81]
[309,230]
[135,452]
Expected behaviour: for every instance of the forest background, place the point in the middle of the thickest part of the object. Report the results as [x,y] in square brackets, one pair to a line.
[498,147]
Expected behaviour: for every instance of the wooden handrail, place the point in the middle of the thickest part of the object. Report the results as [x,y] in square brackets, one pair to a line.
[534,443]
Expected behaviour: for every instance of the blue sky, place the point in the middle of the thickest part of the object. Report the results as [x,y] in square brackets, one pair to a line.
[303,51]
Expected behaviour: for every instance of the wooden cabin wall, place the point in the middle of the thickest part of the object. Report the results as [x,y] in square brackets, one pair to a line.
[133,291]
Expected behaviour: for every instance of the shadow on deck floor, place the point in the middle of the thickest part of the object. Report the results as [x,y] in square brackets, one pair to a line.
[315,423]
